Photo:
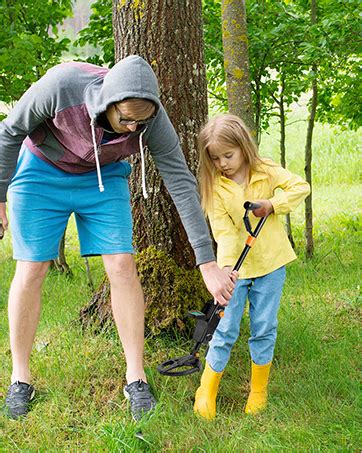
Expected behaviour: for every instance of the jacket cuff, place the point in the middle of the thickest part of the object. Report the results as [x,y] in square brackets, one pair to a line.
[280,204]
[204,254]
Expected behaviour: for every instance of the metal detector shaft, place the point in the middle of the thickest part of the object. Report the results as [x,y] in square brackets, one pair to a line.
[249,243]
[208,319]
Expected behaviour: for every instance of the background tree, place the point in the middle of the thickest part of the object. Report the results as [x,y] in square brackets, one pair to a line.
[308,145]
[236,60]
[276,79]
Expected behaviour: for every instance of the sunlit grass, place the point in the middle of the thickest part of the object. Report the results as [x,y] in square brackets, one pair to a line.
[314,381]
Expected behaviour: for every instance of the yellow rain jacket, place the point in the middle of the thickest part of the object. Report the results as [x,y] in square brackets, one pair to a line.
[272,248]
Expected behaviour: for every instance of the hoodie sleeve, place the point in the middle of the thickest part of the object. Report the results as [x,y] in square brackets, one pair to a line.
[294,190]
[181,184]
[32,109]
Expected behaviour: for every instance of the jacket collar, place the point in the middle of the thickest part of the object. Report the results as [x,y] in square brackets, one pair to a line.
[256,176]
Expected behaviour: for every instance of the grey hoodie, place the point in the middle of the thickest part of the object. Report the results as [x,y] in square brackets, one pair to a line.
[57,120]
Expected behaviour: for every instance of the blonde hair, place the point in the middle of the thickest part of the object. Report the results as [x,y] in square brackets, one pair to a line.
[142,108]
[222,131]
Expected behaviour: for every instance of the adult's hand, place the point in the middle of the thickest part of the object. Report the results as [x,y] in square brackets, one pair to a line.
[265,209]
[219,283]
[3,219]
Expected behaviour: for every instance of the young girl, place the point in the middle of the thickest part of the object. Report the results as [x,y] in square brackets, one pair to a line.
[231,172]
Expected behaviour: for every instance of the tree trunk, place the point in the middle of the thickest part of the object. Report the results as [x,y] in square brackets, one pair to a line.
[258,106]
[308,151]
[283,160]
[60,264]
[308,170]
[236,60]
[168,35]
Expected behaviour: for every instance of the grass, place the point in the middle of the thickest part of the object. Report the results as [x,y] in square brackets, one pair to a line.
[314,387]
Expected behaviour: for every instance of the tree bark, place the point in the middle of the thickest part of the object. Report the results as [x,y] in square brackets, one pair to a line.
[283,160]
[167,34]
[236,60]
[60,264]
[308,150]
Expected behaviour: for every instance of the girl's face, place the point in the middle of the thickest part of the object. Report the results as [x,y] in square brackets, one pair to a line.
[229,161]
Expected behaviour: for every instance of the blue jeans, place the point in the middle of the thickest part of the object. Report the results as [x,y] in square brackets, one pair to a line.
[264,295]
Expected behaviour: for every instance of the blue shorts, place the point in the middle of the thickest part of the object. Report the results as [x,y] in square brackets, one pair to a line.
[42,197]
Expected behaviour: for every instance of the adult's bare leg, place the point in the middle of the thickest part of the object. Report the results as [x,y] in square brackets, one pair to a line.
[24,311]
[128,310]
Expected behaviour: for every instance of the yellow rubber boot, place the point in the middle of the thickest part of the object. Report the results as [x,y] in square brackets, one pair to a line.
[258,395]
[205,398]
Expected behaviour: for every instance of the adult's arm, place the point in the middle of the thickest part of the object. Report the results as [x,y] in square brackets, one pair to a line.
[182,186]
[37,104]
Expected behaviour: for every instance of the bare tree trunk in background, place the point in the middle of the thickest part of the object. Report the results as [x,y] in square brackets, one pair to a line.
[169,36]
[258,106]
[236,60]
[308,151]
[60,263]
[283,161]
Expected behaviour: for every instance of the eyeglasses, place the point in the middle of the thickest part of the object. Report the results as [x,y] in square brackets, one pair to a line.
[125,122]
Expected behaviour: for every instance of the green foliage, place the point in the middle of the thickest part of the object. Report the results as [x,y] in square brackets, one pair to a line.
[283,46]
[214,55]
[275,31]
[30,43]
[340,75]
[99,33]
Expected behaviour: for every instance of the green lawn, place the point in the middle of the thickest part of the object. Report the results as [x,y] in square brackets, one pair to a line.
[314,387]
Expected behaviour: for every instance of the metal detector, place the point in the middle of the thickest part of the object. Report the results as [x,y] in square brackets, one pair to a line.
[208,318]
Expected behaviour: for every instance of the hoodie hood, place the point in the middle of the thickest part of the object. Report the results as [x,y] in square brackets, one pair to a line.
[131,77]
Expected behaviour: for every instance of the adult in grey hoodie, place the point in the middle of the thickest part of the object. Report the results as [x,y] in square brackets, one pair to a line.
[63,119]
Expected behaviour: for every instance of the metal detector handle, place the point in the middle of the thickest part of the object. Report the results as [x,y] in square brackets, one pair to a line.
[253,234]
[249,206]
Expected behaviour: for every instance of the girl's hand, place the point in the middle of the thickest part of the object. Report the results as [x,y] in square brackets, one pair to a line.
[234,275]
[265,209]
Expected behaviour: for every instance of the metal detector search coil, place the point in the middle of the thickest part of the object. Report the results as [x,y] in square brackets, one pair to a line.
[209,318]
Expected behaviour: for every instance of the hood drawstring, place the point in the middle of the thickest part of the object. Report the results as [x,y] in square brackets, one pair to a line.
[143,169]
[100,183]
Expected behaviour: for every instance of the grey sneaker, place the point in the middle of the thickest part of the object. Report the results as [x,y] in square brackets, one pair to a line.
[140,397]
[18,399]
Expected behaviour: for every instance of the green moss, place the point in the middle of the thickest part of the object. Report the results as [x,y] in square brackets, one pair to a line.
[238,73]
[170,291]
